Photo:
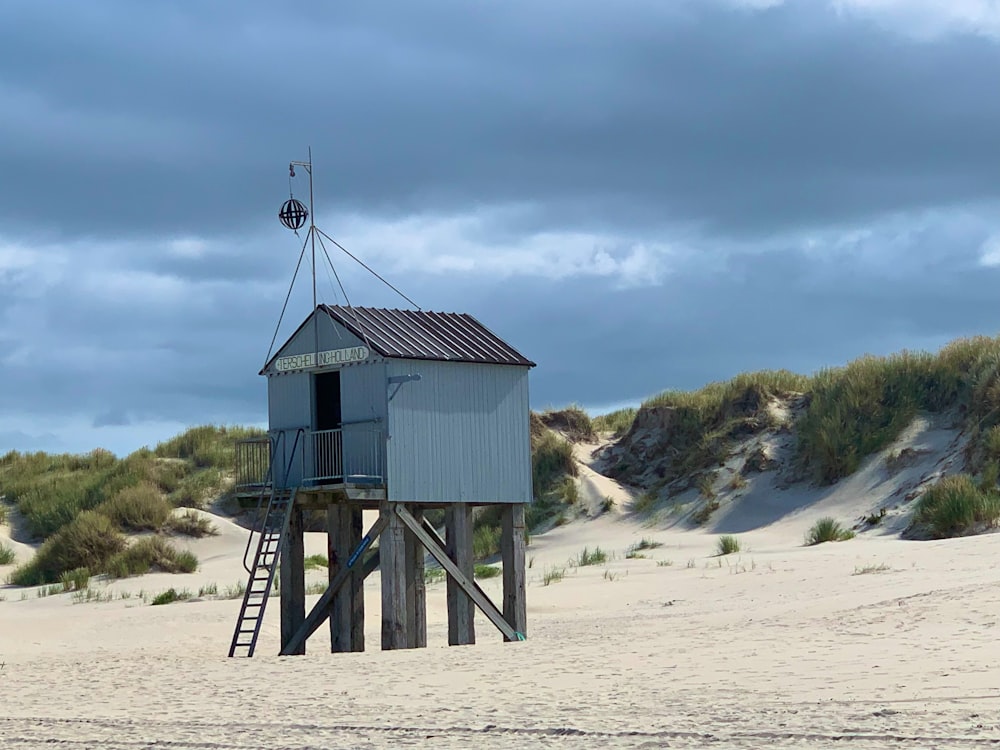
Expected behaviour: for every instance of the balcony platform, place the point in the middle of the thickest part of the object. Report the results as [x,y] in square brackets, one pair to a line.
[320,496]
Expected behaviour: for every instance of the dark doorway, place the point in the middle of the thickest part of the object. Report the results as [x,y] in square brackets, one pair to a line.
[328,447]
[327,386]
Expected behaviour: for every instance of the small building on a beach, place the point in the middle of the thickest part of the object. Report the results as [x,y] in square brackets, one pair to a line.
[395,411]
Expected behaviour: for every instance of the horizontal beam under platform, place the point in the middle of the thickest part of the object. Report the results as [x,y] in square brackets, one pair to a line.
[322,496]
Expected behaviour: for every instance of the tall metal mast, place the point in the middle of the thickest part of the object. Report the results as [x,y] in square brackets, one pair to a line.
[307,165]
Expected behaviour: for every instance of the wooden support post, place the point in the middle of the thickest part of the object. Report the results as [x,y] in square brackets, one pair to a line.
[347,615]
[292,581]
[416,593]
[392,551]
[431,542]
[357,581]
[461,610]
[515,605]
[321,609]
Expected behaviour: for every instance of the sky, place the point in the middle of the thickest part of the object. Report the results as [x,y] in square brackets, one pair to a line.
[637,195]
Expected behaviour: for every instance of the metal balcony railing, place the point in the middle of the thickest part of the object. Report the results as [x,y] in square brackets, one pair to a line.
[253,464]
[352,453]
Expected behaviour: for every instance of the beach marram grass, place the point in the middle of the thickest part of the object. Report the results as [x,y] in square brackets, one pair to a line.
[955,506]
[827,529]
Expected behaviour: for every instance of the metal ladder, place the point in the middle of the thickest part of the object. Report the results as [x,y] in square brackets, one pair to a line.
[265,562]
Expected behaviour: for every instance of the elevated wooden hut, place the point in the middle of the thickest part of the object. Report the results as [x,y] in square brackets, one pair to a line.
[396,411]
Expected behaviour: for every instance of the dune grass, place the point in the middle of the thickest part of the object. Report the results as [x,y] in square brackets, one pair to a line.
[75,580]
[207,445]
[88,541]
[7,556]
[189,523]
[149,554]
[50,490]
[956,506]
[827,530]
[572,421]
[316,562]
[553,575]
[140,507]
[727,545]
[703,423]
[617,422]
[850,412]
[588,556]
[487,571]
[170,596]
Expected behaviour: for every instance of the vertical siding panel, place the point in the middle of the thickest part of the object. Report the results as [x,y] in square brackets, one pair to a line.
[459,434]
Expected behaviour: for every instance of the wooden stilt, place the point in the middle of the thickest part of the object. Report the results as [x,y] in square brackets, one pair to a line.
[321,610]
[431,542]
[392,550]
[347,616]
[292,581]
[515,608]
[338,550]
[357,581]
[416,594]
[461,610]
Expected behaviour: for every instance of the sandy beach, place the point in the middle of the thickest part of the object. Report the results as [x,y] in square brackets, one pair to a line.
[875,642]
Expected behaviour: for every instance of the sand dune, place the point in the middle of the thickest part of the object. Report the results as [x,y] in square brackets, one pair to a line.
[872,643]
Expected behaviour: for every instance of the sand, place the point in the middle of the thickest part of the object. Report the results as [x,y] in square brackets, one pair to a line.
[875,642]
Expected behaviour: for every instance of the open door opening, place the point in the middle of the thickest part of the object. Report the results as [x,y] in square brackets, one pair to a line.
[328,445]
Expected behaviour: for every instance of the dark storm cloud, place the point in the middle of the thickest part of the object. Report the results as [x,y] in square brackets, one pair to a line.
[644,195]
[122,118]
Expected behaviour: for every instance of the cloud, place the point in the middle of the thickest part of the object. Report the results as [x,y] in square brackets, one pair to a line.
[930,19]
[638,196]
[640,116]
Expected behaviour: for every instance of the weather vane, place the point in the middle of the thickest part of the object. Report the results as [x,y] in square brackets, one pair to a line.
[293,214]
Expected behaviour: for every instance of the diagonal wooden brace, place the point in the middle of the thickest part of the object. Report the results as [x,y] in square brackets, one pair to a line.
[321,610]
[470,587]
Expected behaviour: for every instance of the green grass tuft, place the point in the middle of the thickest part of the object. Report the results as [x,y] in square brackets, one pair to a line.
[827,530]
[137,508]
[7,556]
[595,556]
[487,571]
[316,561]
[551,462]
[956,506]
[170,596]
[553,575]
[705,512]
[86,542]
[190,523]
[75,580]
[617,422]
[572,421]
[728,545]
[207,446]
[485,541]
[150,554]
[192,490]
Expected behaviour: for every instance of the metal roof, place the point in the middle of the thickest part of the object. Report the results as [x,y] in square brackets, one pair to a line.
[416,334]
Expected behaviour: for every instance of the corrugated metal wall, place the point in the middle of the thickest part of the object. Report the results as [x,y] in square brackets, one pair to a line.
[459,434]
[363,393]
[289,406]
